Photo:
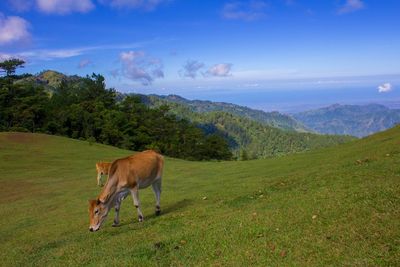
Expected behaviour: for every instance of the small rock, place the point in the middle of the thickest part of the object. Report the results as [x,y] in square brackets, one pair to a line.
[254,214]
[204,198]
[314,217]
[261,196]
[387,155]
[183,242]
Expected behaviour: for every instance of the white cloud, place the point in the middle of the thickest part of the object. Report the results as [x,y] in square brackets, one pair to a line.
[134,4]
[220,70]
[351,6]
[191,68]
[385,88]
[248,10]
[137,66]
[20,5]
[84,63]
[64,6]
[13,29]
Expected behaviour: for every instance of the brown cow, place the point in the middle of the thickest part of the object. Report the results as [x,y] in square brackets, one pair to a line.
[102,168]
[127,175]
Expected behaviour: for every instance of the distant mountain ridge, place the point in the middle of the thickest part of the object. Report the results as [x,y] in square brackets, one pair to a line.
[274,119]
[247,137]
[355,120]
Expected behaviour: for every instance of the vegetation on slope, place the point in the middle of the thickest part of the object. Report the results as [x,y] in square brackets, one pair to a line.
[248,138]
[337,206]
[83,108]
[273,119]
[350,119]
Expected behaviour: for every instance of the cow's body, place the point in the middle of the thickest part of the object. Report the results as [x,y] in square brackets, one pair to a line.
[127,175]
[102,168]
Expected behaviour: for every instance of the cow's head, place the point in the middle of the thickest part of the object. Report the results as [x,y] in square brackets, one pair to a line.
[97,214]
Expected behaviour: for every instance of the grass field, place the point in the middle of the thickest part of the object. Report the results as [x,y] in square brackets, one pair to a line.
[336,206]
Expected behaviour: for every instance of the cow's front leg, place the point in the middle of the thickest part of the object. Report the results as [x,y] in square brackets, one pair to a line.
[118,201]
[136,202]
[98,179]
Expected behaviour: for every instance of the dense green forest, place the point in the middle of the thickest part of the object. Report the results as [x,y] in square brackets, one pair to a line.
[248,138]
[274,118]
[83,108]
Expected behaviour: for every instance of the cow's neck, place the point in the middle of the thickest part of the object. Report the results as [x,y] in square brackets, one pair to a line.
[109,192]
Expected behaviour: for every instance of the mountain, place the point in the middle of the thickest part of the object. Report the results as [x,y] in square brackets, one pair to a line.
[50,79]
[352,120]
[247,137]
[274,119]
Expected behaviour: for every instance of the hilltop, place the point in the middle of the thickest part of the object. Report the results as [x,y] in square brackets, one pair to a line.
[274,119]
[350,119]
[335,206]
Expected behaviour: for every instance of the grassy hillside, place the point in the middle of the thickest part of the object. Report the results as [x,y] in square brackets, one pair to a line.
[336,206]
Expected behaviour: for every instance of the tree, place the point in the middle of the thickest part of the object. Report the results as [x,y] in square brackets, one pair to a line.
[10,65]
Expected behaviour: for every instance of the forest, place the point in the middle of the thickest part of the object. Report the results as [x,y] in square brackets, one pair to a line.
[83,108]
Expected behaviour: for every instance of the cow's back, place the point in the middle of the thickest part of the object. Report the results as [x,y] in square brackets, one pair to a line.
[139,169]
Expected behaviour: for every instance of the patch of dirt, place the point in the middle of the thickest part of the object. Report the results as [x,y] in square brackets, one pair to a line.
[11,191]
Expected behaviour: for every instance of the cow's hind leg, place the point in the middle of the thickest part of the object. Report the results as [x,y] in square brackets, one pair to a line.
[136,202]
[157,192]
[118,201]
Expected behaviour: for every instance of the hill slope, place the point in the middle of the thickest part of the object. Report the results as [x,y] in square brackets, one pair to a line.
[336,206]
[350,119]
[274,119]
[257,139]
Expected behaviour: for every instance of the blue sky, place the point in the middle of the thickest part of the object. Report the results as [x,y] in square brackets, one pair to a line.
[268,54]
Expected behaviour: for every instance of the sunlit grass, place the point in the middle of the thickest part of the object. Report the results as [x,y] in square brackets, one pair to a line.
[337,206]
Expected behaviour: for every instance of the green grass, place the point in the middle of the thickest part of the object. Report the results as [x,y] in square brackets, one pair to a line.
[336,206]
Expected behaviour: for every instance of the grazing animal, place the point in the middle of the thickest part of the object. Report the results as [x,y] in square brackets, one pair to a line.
[127,175]
[102,168]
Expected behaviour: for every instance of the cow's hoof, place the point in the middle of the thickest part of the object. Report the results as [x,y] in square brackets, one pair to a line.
[158,212]
[115,224]
[140,218]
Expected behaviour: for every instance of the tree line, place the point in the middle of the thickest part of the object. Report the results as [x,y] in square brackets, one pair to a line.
[85,109]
